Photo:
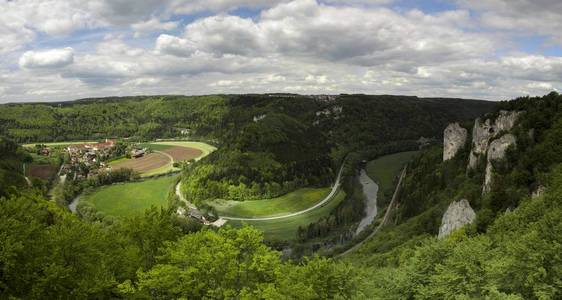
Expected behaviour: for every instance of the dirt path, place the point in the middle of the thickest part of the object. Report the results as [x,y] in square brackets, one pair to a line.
[384,219]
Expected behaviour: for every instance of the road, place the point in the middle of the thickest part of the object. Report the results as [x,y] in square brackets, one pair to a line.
[332,193]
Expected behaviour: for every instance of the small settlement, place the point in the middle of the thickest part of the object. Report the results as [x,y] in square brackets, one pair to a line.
[86,160]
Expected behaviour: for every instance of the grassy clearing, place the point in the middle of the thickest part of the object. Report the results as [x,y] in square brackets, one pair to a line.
[130,199]
[286,228]
[292,202]
[384,169]
[161,170]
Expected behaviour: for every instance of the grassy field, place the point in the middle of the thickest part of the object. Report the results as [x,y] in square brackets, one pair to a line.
[286,228]
[130,199]
[384,169]
[292,202]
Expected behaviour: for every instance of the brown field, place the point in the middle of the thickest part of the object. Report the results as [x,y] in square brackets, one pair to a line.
[183,153]
[143,164]
[44,172]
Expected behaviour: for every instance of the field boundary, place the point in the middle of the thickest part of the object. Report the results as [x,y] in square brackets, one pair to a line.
[332,193]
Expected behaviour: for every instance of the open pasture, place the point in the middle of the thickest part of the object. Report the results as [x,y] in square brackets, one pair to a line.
[384,169]
[130,199]
[292,202]
[286,228]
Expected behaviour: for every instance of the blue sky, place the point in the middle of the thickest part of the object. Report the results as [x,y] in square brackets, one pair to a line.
[486,49]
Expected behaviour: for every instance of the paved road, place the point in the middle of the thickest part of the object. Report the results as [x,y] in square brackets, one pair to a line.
[332,193]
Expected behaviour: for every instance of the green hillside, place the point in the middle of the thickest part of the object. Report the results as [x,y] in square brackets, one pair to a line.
[511,251]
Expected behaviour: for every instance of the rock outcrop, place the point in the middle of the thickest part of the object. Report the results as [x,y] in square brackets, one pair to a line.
[458,214]
[496,151]
[484,132]
[454,139]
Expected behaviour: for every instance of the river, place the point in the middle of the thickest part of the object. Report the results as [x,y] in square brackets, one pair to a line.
[370,189]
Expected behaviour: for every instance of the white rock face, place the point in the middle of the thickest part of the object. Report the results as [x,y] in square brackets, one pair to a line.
[454,138]
[483,132]
[496,151]
[458,214]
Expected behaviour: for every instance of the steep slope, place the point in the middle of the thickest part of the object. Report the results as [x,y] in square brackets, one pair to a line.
[510,250]
[12,159]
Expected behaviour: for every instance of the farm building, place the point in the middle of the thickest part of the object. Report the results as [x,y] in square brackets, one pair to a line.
[136,153]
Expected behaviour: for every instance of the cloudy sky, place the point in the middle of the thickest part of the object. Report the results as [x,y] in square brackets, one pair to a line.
[487,49]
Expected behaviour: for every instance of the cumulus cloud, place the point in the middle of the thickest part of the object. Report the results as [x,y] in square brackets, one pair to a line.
[54,58]
[542,17]
[303,46]
[152,25]
[305,28]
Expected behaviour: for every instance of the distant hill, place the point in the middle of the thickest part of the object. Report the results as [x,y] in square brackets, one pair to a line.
[268,144]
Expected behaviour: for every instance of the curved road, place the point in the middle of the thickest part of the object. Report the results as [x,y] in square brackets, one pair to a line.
[334,190]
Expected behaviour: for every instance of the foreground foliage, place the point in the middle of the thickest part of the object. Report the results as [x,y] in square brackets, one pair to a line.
[46,253]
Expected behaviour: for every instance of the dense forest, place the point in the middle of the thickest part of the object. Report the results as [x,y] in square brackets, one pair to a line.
[268,144]
[511,251]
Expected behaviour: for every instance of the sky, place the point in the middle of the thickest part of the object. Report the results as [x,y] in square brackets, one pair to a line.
[55,50]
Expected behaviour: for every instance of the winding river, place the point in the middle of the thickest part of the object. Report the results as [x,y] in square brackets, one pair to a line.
[370,189]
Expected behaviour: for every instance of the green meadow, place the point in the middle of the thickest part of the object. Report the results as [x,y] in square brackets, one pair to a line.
[292,202]
[130,199]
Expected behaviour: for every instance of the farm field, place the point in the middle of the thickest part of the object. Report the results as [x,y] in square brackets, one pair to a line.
[286,228]
[130,199]
[143,164]
[164,155]
[205,149]
[384,169]
[42,171]
[289,203]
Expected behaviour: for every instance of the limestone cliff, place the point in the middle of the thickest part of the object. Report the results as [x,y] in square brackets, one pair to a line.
[496,151]
[484,132]
[458,214]
[454,139]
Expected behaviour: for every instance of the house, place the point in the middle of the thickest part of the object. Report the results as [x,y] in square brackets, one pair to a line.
[197,215]
[136,153]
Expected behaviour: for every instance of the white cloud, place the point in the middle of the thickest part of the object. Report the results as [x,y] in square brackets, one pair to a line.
[306,29]
[152,25]
[195,6]
[168,44]
[303,46]
[54,58]
[528,17]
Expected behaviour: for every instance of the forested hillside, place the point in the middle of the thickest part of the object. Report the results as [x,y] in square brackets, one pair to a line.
[12,159]
[268,144]
[510,251]
[48,253]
